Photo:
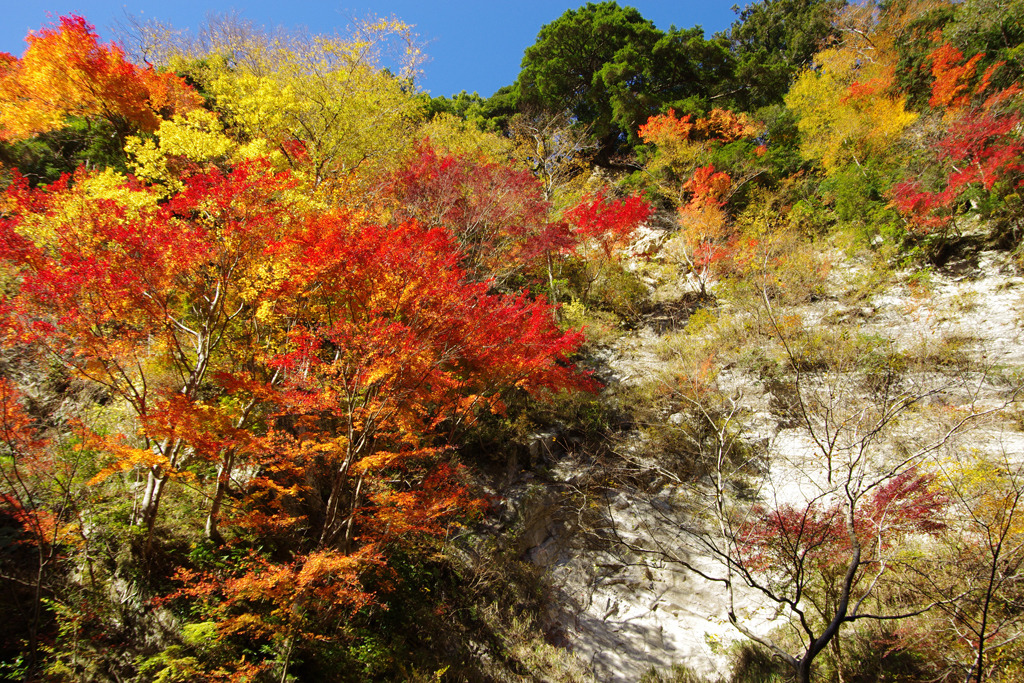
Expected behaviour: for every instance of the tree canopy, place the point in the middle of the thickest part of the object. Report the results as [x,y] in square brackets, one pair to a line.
[612,68]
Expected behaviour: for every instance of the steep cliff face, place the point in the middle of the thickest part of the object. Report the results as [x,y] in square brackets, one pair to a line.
[615,531]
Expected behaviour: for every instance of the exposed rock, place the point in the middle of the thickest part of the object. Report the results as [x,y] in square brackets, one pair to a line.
[625,613]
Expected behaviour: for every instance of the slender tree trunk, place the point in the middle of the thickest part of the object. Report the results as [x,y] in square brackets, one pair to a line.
[551,283]
[37,605]
[979,663]
[350,520]
[155,483]
[223,480]
[837,654]
[151,504]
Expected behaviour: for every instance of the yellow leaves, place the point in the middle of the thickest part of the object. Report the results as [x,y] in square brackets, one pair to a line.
[260,277]
[258,104]
[457,136]
[844,109]
[324,103]
[196,137]
[111,185]
[989,490]
[82,204]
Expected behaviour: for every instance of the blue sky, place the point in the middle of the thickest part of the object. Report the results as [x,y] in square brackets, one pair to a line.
[473,46]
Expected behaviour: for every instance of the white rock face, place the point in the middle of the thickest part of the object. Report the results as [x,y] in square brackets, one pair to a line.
[625,613]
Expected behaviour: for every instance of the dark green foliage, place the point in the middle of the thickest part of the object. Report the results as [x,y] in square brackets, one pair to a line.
[773,40]
[489,114]
[613,69]
[992,27]
[782,140]
[678,68]
[859,194]
[42,159]
[567,66]
[500,107]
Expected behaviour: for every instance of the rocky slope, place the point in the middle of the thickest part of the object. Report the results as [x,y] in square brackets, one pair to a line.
[624,613]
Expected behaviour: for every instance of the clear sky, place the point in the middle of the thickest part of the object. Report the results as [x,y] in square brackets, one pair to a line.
[471,45]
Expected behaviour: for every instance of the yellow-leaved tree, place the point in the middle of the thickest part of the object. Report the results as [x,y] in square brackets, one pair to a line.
[337,109]
[846,105]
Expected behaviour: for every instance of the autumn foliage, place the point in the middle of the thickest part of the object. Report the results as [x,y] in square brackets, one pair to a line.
[979,156]
[67,72]
[719,124]
[790,540]
[308,368]
[606,222]
[497,214]
[952,76]
[276,328]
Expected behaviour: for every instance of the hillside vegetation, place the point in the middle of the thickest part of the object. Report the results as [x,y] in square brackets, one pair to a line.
[294,356]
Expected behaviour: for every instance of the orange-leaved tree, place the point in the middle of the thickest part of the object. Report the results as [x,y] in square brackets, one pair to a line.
[389,350]
[147,300]
[685,157]
[684,144]
[67,72]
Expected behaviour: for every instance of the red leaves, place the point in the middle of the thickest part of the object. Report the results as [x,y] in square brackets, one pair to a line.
[608,222]
[980,145]
[907,503]
[788,539]
[497,215]
[372,326]
[785,537]
[979,149]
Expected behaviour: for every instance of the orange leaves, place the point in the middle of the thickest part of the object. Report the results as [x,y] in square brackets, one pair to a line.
[67,72]
[18,436]
[707,187]
[687,151]
[719,124]
[271,601]
[952,78]
[666,127]
[725,125]
[952,88]
[863,92]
